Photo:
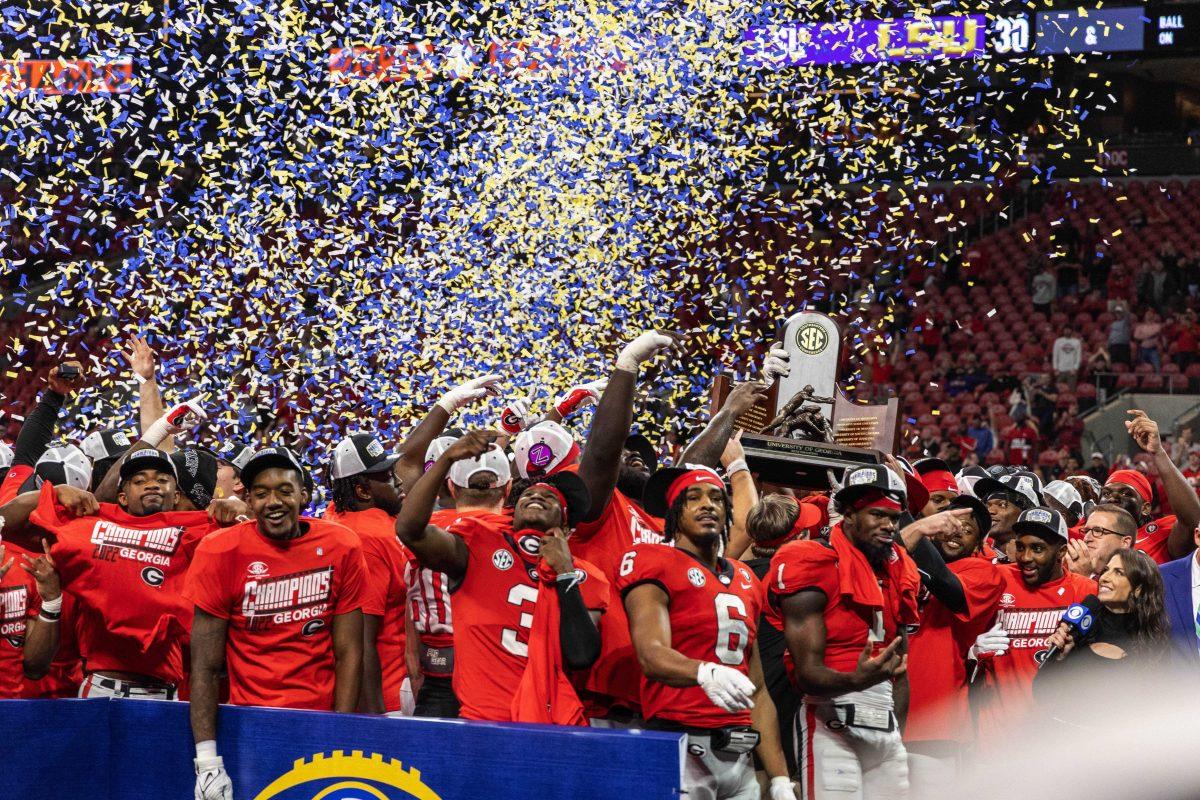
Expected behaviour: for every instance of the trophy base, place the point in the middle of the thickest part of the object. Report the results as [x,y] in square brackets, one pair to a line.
[802,464]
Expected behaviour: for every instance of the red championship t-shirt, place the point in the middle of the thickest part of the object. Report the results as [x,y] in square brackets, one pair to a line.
[280,598]
[19,602]
[862,606]
[1152,538]
[385,560]
[937,652]
[126,574]
[714,617]
[1029,615]
[616,676]
[493,608]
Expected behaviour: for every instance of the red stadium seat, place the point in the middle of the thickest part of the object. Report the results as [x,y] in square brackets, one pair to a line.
[1127,380]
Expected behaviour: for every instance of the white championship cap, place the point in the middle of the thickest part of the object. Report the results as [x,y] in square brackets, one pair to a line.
[544,449]
[65,463]
[493,461]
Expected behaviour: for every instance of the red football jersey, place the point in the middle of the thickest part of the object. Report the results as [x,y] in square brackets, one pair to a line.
[1029,616]
[19,602]
[494,608]
[937,652]
[385,560]
[616,676]
[14,479]
[714,617]
[280,597]
[1152,538]
[862,606]
[126,574]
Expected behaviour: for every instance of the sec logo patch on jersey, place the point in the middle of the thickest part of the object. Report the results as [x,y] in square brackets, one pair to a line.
[502,560]
[696,577]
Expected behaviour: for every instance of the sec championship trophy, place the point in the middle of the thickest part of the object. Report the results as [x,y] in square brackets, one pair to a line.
[816,432]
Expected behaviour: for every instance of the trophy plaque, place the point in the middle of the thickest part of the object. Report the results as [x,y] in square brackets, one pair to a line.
[806,432]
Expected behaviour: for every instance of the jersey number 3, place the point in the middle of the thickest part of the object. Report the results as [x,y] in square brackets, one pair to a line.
[510,638]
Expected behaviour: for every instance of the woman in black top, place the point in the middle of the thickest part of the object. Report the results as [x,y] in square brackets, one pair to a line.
[1127,640]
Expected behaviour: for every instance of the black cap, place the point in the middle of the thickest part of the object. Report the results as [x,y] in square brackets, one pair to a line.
[196,468]
[979,511]
[873,477]
[237,456]
[573,490]
[270,458]
[147,458]
[1023,484]
[642,446]
[1045,523]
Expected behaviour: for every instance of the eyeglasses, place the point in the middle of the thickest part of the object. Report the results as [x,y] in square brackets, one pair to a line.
[1096,532]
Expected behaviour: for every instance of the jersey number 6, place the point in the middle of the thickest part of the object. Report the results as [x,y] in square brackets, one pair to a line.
[732,631]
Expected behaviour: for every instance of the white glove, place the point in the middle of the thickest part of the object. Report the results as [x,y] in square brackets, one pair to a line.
[776,364]
[782,788]
[992,642]
[729,689]
[459,396]
[515,416]
[212,781]
[579,396]
[642,349]
[177,418]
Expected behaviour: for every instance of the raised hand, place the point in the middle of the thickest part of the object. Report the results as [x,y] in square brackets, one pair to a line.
[68,383]
[776,365]
[472,444]
[515,416]
[77,501]
[1144,431]
[579,396]
[743,397]
[556,553]
[876,669]
[469,392]
[643,348]
[140,357]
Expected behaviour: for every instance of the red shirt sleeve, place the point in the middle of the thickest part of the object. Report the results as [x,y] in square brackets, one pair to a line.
[641,565]
[801,565]
[352,589]
[14,479]
[982,586]
[49,514]
[204,585]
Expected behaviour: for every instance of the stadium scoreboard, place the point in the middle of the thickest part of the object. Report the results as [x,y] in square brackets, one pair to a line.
[1099,29]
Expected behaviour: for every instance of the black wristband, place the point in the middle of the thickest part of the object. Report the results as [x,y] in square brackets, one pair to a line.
[50,616]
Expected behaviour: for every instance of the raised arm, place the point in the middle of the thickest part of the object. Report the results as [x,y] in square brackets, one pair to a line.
[411,465]
[14,515]
[41,632]
[150,407]
[165,427]
[600,464]
[38,428]
[433,547]
[1180,494]
[706,448]
[745,494]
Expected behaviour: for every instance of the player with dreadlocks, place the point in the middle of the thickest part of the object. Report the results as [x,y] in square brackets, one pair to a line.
[693,617]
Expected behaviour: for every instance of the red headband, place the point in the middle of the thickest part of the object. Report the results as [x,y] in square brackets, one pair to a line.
[1132,478]
[875,499]
[691,478]
[552,489]
[939,480]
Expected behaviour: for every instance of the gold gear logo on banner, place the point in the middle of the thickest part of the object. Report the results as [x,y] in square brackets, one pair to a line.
[373,775]
[811,338]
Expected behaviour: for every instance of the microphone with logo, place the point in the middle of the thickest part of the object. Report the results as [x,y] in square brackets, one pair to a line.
[1079,618]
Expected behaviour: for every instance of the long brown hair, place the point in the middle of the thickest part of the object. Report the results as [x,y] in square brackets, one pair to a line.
[1146,597]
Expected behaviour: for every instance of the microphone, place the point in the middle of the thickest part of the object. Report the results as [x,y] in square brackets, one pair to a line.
[1079,617]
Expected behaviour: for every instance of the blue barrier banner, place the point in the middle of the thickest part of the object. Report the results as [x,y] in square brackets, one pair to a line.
[142,750]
